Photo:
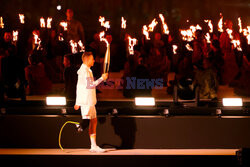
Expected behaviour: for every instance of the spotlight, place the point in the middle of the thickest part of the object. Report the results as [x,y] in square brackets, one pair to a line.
[166,112]
[56,101]
[218,112]
[145,101]
[232,102]
[59,7]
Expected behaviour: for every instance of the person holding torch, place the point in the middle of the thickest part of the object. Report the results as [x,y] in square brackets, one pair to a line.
[86,97]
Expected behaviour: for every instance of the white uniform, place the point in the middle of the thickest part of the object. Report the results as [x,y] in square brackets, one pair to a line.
[86,92]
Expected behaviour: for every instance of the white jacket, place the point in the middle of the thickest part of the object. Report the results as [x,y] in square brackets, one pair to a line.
[85,89]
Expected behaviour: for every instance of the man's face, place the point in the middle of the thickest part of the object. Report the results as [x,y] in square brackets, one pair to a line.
[91,61]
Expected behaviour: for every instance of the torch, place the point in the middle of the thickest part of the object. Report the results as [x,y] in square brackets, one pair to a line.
[21,17]
[1,22]
[132,43]
[107,54]
[42,22]
[49,20]
[15,37]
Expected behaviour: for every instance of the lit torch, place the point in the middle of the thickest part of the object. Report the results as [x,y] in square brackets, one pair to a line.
[210,25]
[189,48]
[207,36]
[132,43]
[64,25]
[145,32]
[42,22]
[240,25]
[229,32]
[21,17]
[165,26]
[220,24]
[123,26]
[104,23]
[175,47]
[82,48]
[1,22]
[246,33]
[73,46]
[60,37]
[236,44]
[15,36]
[152,25]
[49,20]
[37,40]
[107,54]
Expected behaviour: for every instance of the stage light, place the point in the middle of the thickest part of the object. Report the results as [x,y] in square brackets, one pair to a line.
[56,101]
[232,102]
[59,7]
[166,112]
[145,101]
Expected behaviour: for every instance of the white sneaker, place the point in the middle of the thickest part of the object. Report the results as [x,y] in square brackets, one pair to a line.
[97,149]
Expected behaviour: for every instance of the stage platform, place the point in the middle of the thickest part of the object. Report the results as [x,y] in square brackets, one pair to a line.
[121,158]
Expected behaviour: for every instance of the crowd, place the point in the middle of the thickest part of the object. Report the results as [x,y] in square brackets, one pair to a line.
[32,68]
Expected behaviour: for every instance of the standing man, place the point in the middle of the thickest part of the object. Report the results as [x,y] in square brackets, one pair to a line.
[86,97]
[75,30]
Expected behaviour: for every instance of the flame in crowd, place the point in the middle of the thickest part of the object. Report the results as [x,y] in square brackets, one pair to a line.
[15,36]
[240,25]
[73,45]
[1,22]
[189,34]
[64,25]
[189,48]
[49,20]
[42,22]
[123,23]
[104,23]
[152,25]
[236,44]
[101,35]
[145,32]
[220,23]
[164,25]
[132,42]
[82,48]
[210,25]
[60,37]
[21,17]
[229,31]
[37,40]
[207,36]
[175,47]
[246,33]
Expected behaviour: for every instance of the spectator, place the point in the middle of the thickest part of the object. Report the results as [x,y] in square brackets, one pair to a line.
[70,77]
[38,82]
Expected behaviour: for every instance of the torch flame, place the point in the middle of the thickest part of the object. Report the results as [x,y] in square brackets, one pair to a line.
[60,37]
[73,45]
[64,25]
[236,44]
[207,36]
[1,22]
[220,24]
[101,35]
[229,31]
[37,40]
[240,25]
[132,43]
[175,47]
[189,48]
[165,26]
[210,25]
[152,25]
[42,22]
[123,23]
[246,33]
[21,17]
[49,20]
[104,23]
[82,48]
[189,34]
[15,36]
[145,32]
